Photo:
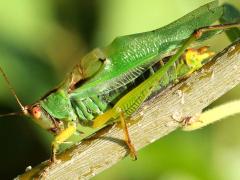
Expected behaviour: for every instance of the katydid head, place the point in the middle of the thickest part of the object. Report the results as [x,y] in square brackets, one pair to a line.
[41,117]
[34,111]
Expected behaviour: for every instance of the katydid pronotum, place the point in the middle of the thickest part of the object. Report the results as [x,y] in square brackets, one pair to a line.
[111,83]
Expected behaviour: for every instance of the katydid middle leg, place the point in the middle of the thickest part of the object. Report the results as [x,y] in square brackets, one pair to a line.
[127,137]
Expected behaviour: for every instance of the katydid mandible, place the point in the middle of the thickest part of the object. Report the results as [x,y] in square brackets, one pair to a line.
[110,83]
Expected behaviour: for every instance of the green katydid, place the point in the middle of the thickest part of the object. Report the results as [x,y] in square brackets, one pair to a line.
[111,83]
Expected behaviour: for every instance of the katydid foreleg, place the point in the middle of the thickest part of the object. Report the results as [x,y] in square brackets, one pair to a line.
[61,137]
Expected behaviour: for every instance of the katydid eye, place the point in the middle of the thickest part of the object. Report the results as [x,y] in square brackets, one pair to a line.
[36,112]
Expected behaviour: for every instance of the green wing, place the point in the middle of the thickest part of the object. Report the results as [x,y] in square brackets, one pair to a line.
[128,56]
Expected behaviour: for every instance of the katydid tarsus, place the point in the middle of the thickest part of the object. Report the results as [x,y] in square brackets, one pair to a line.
[110,83]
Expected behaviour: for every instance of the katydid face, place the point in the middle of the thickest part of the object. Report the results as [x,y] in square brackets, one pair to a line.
[42,118]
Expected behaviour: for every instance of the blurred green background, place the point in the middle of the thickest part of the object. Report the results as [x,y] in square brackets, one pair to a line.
[41,40]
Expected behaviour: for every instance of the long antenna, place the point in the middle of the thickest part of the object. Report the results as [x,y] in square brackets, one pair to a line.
[12,91]
[11,114]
